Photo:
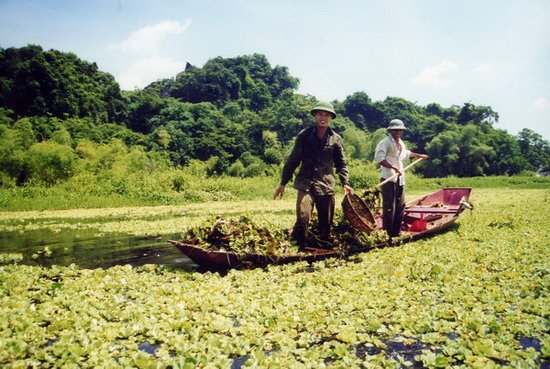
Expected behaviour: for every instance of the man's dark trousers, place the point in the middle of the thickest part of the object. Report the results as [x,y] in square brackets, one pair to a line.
[393,206]
[324,204]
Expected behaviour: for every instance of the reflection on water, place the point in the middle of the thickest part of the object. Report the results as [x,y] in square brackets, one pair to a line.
[87,249]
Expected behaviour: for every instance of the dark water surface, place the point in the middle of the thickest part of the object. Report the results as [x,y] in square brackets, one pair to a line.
[87,249]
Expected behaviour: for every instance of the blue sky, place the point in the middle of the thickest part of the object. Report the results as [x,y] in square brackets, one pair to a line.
[491,52]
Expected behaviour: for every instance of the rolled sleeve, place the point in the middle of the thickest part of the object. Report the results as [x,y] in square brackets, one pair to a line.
[380,152]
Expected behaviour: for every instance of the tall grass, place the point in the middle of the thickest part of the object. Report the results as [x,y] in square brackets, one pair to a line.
[177,187]
[519,182]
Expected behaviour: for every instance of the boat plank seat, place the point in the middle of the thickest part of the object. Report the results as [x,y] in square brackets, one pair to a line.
[449,209]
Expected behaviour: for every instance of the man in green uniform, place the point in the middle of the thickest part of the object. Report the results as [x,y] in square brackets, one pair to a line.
[317,150]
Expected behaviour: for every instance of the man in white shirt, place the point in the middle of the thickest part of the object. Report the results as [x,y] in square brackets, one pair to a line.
[389,154]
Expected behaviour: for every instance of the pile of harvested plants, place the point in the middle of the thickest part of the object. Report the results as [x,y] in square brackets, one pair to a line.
[244,236]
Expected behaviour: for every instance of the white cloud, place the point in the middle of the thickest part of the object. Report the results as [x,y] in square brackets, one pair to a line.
[148,70]
[148,41]
[542,103]
[435,76]
[149,38]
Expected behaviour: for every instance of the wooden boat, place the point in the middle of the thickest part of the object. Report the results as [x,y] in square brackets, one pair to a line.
[423,217]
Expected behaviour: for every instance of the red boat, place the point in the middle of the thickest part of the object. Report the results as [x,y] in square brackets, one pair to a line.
[424,216]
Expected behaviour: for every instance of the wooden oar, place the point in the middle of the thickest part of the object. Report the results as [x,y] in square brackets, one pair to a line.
[371,196]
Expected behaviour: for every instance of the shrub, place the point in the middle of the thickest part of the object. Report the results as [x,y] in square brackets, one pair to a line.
[273,155]
[255,169]
[6,181]
[50,162]
[179,182]
[236,169]
[363,175]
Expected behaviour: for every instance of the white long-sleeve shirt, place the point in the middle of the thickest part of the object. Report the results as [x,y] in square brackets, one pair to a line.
[388,150]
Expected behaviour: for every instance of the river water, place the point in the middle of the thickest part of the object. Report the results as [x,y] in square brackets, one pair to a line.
[87,249]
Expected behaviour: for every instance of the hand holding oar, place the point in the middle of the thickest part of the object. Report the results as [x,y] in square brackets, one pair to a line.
[397,173]
[371,195]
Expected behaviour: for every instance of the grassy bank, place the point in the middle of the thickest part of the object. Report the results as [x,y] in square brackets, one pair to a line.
[175,188]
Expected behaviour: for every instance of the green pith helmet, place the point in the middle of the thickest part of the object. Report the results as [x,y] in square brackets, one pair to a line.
[396,124]
[325,106]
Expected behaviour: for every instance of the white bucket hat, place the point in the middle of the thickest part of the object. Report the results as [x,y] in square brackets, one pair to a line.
[396,124]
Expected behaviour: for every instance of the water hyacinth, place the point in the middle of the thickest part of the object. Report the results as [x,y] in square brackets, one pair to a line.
[244,236]
[476,296]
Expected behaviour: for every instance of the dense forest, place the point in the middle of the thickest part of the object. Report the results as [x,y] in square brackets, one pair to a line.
[61,116]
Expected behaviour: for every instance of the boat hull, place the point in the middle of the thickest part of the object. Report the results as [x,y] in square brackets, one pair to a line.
[220,260]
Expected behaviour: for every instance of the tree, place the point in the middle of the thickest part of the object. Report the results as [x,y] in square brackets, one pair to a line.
[258,96]
[281,80]
[62,137]
[142,106]
[357,144]
[476,115]
[459,152]
[200,131]
[508,157]
[213,83]
[449,115]
[52,83]
[397,108]
[425,129]
[444,151]
[273,150]
[24,136]
[176,141]
[535,149]
[361,110]
[229,111]
[288,115]
[248,78]
[6,116]
[12,153]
